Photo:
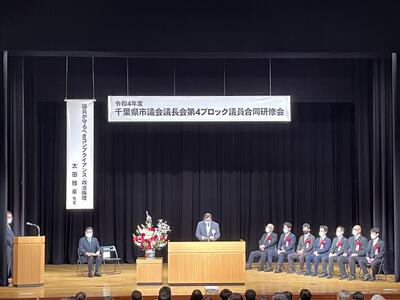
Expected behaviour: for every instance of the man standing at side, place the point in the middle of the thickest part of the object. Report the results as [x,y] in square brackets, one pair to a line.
[89,249]
[10,244]
[207,230]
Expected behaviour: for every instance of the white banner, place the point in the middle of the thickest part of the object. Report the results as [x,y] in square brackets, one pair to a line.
[80,123]
[199,109]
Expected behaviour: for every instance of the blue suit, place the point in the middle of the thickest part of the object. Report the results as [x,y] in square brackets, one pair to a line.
[285,244]
[201,231]
[10,244]
[322,249]
[269,242]
[356,246]
[91,246]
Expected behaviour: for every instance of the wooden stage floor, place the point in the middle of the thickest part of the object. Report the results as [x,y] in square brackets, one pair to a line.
[62,281]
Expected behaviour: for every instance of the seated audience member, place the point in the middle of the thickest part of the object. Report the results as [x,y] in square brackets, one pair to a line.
[89,249]
[224,294]
[288,294]
[305,246]
[266,245]
[357,250]
[343,295]
[80,296]
[164,293]
[279,296]
[286,244]
[250,294]
[207,298]
[320,250]
[136,295]
[358,296]
[305,294]
[377,297]
[235,296]
[374,256]
[196,295]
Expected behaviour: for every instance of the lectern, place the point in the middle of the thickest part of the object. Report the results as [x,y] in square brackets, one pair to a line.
[28,264]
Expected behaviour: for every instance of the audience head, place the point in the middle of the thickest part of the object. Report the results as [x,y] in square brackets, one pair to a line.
[235,296]
[323,230]
[250,294]
[377,297]
[9,217]
[269,228]
[80,296]
[207,298]
[305,294]
[264,297]
[224,294]
[280,296]
[343,295]
[136,295]
[164,293]
[374,232]
[196,295]
[306,228]
[356,230]
[287,227]
[89,232]
[288,294]
[358,295]
[339,231]
[207,217]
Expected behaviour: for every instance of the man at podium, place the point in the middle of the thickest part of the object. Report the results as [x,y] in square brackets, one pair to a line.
[89,249]
[10,244]
[207,230]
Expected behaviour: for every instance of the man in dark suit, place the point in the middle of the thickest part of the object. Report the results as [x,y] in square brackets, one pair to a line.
[266,244]
[306,243]
[320,250]
[339,246]
[207,230]
[286,244]
[89,249]
[357,250]
[374,256]
[10,244]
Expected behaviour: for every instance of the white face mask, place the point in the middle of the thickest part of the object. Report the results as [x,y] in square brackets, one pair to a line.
[338,234]
[354,232]
[267,230]
[88,235]
[9,220]
[373,236]
[322,234]
[285,230]
[208,222]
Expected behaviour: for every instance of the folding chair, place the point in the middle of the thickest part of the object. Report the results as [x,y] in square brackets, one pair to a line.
[110,255]
[381,269]
[79,262]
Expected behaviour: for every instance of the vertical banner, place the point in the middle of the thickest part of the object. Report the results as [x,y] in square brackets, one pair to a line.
[80,130]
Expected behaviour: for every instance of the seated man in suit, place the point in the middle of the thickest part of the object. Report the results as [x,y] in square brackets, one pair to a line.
[266,244]
[207,230]
[286,244]
[306,243]
[339,246]
[374,256]
[10,244]
[320,250]
[357,250]
[89,249]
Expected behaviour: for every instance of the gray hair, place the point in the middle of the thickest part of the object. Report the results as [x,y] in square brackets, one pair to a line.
[377,297]
[343,295]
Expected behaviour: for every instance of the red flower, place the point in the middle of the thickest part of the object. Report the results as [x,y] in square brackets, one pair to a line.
[308,241]
[376,247]
[358,243]
[288,238]
[269,238]
[339,244]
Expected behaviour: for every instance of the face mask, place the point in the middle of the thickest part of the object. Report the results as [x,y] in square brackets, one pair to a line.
[285,230]
[338,234]
[354,232]
[88,235]
[373,236]
[322,234]
[9,220]
[267,230]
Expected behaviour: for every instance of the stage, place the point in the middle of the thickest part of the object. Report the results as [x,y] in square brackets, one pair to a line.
[62,281]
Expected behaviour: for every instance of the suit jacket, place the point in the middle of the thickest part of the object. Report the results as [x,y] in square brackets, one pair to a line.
[269,241]
[376,252]
[358,246]
[306,244]
[201,230]
[339,249]
[85,246]
[322,247]
[10,238]
[287,245]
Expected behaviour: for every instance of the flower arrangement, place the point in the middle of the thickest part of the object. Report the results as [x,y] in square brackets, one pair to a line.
[150,238]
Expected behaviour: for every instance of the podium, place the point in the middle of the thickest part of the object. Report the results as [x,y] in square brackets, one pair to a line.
[28,264]
[206,262]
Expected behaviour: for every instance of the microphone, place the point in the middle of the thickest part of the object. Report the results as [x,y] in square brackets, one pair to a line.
[34,225]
